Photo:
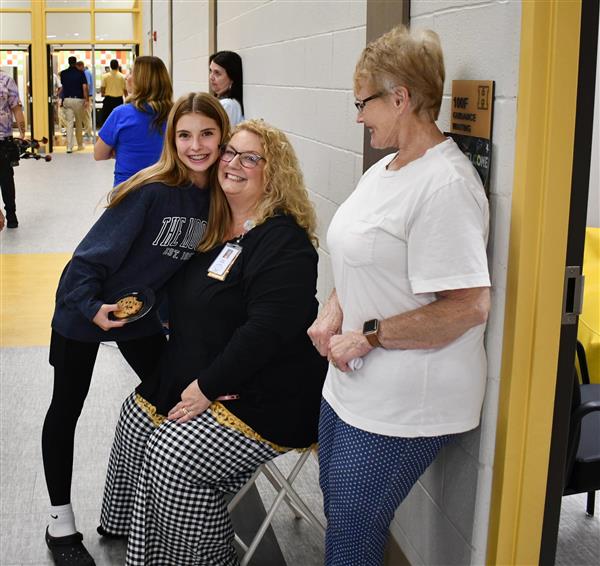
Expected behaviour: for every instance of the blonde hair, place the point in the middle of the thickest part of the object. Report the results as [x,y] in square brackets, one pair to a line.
[284,189]
[410,59]
[169,169]
[152,88]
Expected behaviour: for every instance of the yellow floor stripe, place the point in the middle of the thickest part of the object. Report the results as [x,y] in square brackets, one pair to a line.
[28,285]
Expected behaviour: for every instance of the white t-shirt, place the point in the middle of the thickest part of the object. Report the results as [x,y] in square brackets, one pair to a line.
[233,109]
[400,237]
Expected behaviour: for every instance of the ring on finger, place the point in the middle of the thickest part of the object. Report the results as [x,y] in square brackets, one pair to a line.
[184,410]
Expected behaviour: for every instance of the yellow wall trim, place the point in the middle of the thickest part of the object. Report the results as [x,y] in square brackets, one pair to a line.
[39,71]
[538,235]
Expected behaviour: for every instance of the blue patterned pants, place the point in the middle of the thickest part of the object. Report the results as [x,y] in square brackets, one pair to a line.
[364,477]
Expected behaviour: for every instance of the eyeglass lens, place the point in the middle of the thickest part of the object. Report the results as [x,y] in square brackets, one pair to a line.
[247,159]
[360,104]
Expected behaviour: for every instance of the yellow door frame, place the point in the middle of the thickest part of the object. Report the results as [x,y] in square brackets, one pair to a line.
[38,42]
[538,236]
[39,70]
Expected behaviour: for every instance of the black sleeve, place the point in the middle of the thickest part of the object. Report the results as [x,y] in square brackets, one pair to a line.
[279,286]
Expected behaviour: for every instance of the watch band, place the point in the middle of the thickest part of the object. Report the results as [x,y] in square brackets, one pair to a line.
[373,340]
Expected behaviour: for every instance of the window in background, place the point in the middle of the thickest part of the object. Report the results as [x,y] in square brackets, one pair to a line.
[111,26]
[68,26]
[15,26]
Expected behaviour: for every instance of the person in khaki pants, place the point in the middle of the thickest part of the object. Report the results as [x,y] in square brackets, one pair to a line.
[87,115]
[75,100]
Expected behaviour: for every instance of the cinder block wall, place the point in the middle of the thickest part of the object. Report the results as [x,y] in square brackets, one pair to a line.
[299,57]
[298,63]
[446,516]
[190,47]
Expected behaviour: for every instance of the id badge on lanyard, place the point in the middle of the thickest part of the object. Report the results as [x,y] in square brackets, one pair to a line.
[220,268]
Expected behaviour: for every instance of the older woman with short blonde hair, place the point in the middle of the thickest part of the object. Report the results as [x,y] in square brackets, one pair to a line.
[403,328]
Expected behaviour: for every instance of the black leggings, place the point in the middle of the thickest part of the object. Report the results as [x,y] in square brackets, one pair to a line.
[73,363]
[109,104]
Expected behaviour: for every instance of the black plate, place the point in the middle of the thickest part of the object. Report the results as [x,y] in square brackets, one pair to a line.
[143,294]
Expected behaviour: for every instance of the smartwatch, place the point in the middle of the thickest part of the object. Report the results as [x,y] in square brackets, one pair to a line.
[371,331]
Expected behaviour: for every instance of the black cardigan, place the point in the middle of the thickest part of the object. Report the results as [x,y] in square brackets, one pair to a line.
[247,335]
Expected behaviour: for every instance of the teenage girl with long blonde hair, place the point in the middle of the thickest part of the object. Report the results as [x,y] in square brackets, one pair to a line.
[153,224]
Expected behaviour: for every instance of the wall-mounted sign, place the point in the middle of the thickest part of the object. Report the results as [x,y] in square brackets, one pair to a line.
[472,121]
[472,108]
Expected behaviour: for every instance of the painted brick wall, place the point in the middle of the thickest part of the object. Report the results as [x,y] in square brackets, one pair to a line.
[190,47]
[298,62]
[445,518]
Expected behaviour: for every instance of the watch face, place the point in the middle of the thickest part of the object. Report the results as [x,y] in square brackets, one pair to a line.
[370,326]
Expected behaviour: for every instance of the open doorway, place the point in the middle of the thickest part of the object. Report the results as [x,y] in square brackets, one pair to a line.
[16,63]
[95,60]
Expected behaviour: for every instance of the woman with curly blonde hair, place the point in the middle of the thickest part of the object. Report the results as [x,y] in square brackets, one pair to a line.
[240,381]
[284,189]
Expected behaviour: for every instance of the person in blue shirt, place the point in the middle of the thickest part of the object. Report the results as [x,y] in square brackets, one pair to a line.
[133,132]
[153,224]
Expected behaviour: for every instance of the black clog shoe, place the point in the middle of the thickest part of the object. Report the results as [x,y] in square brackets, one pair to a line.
[69,550]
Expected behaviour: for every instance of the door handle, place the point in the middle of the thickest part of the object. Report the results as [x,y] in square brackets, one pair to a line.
[572,294]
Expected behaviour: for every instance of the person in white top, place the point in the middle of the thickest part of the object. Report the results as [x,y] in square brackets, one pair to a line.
[403,328]
[227,83]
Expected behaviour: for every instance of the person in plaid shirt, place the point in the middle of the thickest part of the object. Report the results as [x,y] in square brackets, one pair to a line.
[10,105]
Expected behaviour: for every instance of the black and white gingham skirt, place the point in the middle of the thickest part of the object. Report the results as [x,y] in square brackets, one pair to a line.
[165,487]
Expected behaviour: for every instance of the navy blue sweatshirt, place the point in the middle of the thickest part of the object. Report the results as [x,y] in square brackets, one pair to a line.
[139,243]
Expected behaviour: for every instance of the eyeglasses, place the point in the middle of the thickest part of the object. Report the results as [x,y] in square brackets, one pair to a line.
[360,104]
[248,159]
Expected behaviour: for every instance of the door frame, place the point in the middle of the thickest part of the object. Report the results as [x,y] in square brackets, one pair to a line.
[582,152]
[545,131]
[50,90]
[29,93]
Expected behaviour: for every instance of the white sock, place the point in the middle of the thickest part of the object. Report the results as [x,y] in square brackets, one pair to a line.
[62,521]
